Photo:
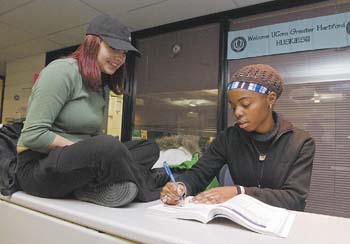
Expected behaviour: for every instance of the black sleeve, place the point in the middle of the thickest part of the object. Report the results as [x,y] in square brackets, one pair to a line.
[292,195]
[208,166]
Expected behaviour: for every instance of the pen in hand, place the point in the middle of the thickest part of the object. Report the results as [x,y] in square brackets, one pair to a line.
[170,174]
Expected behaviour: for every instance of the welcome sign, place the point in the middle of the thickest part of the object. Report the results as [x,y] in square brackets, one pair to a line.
[330,31]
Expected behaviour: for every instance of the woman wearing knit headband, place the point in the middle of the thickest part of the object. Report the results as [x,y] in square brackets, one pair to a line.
[267,156]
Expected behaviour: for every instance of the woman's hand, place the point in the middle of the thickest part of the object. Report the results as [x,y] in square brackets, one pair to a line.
[215,195]
[60,141]
[172,193]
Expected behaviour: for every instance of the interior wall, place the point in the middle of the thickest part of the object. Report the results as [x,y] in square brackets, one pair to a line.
[2,69]
[19,81]
[2,80]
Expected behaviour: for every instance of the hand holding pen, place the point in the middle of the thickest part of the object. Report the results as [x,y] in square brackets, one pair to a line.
[173,192]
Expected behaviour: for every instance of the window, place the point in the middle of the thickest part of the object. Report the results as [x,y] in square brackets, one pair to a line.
[177,80]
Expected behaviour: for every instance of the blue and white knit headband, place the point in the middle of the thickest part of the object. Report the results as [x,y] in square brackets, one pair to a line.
[248,86]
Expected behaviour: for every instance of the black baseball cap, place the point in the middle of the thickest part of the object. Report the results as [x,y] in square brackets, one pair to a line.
[112,31]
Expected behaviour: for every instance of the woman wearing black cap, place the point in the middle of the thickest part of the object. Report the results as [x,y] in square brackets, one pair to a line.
[61,150]
[267,156]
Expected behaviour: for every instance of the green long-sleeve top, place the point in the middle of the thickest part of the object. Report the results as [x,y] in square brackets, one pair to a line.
[60,104]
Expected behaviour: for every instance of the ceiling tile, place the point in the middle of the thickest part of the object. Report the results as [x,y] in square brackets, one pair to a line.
[69,37]
[172,11]
[11,36]
[119,7]
[7,5]
[28,48]
[47,16]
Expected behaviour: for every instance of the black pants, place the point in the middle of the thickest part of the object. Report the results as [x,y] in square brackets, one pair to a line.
[98,160]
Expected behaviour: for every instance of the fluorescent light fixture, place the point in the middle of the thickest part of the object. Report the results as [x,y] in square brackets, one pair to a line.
[189,102]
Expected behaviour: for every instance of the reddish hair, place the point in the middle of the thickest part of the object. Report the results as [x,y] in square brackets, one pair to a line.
[86,56]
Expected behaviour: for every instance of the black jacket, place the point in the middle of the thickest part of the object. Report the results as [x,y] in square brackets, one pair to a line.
[8,157]
[286,171]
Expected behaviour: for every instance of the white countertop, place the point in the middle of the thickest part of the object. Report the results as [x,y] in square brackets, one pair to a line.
[135,223]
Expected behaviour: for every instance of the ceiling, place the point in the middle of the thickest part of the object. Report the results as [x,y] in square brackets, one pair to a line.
[31,27]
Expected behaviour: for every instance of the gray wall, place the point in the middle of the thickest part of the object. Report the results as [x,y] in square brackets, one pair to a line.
[2,69]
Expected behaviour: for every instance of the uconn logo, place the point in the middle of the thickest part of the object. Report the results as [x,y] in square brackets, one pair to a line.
[238,44]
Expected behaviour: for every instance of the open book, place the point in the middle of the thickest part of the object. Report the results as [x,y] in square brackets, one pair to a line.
[241,209]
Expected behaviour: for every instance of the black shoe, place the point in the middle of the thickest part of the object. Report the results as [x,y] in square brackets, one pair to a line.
[111,195]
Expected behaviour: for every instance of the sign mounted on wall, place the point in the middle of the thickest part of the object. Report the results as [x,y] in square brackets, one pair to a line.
[330,31]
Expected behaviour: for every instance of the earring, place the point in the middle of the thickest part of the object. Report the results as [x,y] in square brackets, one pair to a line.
[270,106]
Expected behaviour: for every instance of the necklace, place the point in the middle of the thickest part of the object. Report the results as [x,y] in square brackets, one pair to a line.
[261,158]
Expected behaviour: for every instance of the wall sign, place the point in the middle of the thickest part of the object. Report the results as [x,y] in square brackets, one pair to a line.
[330,31]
